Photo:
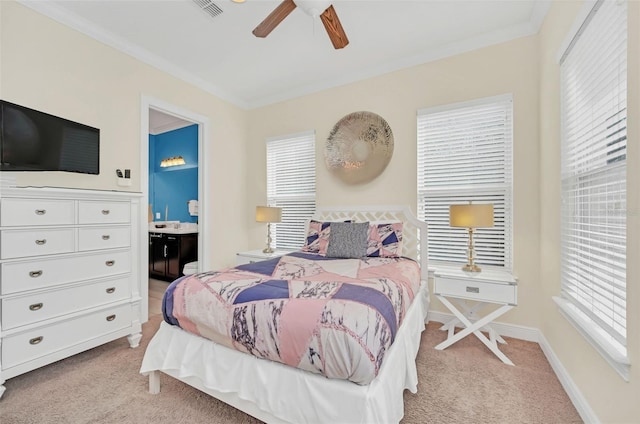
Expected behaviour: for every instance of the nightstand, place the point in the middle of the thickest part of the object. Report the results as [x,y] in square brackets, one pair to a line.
[454,288]
[252,256]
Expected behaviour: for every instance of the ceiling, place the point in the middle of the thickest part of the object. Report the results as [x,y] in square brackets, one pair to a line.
[160,122]
[220,54]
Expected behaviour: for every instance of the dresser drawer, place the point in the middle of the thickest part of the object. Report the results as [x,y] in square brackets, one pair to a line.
[24,243]
[99,212]
[23,310]
[27,212]
[476,290]
[41,273]
[33,344]
[93,238]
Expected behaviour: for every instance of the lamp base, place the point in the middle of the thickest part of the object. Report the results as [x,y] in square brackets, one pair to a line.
[471,268]
[268,250]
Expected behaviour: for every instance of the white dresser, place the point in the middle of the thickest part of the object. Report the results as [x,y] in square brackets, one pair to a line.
[67,266]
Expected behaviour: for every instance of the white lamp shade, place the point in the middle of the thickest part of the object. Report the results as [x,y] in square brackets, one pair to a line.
[471,215]
[268,214]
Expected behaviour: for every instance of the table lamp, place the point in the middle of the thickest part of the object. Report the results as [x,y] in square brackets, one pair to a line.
[471,216]
[268,214]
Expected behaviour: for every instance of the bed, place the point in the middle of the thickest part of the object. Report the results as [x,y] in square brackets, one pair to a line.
[275,392]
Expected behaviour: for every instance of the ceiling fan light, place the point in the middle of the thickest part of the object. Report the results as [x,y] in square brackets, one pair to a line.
[313,8]
[329,19]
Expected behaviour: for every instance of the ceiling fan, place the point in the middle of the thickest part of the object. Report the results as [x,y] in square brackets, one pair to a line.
[323,9]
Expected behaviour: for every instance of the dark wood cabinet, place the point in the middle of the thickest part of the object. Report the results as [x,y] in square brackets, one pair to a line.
[168,254]
[157,260]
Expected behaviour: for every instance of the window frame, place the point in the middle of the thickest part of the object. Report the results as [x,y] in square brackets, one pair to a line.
[294,221]
[604,342]
[456,238]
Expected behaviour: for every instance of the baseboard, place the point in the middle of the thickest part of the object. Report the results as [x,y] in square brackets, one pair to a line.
[582,406]
[510,330]
[535,335]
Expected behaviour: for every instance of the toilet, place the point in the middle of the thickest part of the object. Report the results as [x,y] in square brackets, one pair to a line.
[190,268]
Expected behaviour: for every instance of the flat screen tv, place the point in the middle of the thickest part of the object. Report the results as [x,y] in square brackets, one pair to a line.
[36,141]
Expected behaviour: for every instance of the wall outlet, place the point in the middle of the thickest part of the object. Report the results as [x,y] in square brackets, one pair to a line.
[124,182]
[157,215]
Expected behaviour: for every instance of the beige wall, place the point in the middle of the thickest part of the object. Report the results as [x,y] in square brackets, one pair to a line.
[527,68]
[49,67]
[612,399]
[52,68]
[507,68]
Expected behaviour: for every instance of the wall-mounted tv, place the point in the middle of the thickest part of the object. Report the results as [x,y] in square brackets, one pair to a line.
[36,141]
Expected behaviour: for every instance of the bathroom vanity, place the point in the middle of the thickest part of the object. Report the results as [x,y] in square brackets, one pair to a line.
[170,249]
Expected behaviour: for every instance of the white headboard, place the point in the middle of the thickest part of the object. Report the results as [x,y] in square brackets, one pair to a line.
[414,231]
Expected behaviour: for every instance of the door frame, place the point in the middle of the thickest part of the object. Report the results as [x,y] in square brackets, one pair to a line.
[149,102]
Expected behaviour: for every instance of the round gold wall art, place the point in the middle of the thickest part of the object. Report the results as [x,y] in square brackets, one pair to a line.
[359,147]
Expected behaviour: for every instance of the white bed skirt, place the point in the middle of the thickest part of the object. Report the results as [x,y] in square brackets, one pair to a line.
[277,393]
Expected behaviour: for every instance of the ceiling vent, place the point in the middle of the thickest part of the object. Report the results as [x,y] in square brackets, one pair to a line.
[208,6]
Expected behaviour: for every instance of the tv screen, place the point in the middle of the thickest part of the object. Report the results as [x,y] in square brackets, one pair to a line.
[36,141]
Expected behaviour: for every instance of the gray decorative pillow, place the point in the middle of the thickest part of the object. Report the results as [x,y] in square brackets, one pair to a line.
[348,240]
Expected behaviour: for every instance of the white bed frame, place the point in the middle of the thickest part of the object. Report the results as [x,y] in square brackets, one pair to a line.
[277,393]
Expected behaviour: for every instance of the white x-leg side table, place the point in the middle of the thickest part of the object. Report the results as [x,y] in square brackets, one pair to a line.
[454,288]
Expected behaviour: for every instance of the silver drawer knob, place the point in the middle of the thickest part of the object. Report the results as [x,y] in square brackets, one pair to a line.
[111,317]
[111,290]
[105,211]
[473,289]
[106,237]
[110,263]
[35,274]
[41,242]
[36,340]
[40,211]
[36,306]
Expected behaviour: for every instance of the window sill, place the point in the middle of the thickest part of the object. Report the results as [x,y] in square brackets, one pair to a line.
[613,352]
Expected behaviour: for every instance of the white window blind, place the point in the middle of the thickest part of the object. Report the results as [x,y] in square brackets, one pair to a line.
[594,140]
[291,185]
[465,154]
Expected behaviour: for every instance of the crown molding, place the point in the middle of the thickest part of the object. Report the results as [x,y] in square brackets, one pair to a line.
[449,50]
[532,27]
[82,25]
[540,10]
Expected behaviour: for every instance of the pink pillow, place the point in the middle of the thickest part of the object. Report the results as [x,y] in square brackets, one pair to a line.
[317,237]
[385,240]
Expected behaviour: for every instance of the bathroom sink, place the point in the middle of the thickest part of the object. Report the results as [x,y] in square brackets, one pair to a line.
[173,227]
[164,224]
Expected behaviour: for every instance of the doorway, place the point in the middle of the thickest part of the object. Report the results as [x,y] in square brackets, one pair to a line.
[151,110]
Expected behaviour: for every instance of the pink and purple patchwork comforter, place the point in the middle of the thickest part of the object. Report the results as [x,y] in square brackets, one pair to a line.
[336,317]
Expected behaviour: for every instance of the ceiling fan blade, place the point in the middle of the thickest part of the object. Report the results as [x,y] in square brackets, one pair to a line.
[274,18]
[334,28]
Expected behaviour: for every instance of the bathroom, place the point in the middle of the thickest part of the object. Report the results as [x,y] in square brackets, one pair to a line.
[173,196]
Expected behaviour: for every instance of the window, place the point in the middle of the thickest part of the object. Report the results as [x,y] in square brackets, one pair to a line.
[464,154]
[593,73]
[291,185]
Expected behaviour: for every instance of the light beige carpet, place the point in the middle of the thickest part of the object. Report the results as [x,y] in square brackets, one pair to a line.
[465,383]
